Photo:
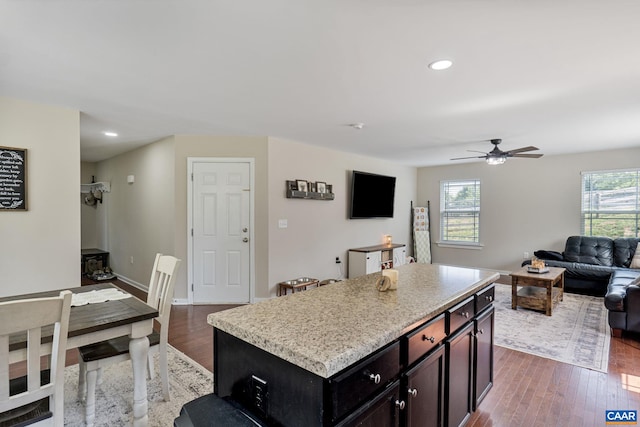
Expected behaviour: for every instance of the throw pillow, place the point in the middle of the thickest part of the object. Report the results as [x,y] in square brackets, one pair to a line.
[549,255]
[635,262]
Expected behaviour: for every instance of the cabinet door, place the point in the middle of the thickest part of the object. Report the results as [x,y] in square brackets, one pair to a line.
[382,411]
[399,256]
[373,261]
[424,388]
[459,376]
[483,356]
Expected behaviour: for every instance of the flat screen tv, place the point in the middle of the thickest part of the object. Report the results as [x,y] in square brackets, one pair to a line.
[372,195]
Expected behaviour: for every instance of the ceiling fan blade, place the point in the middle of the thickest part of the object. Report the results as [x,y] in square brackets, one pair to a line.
[476,151]
[530,156]
[523,149]
[472,157]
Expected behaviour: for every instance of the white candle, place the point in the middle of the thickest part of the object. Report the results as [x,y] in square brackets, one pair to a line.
[393,277]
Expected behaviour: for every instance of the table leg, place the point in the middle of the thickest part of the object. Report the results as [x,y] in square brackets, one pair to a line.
[139,351]
[90,402]
[514,293]
[549,300]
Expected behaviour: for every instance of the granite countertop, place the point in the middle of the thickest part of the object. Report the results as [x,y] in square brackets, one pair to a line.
[327,329]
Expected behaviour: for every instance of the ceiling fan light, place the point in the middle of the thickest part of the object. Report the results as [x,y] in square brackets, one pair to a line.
[441,64]
[496,160]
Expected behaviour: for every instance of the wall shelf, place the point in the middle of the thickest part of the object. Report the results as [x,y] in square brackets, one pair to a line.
[293,190]
[294,194]
[104,187]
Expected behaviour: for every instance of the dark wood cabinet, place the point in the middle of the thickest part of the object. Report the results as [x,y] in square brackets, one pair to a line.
[483,356]
[354,386]
[423,391]
[380,411]
[459,376]
[435,374]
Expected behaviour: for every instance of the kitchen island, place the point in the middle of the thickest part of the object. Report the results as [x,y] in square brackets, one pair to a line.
[343,353]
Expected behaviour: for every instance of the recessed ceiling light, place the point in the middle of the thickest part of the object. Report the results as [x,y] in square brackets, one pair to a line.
[110,133]
[357,125]
[441,64]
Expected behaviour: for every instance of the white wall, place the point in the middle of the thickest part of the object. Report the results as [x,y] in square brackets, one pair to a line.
[137,220]
[222,146]
[88,225]
[319,231]
[40,248]
[526,204]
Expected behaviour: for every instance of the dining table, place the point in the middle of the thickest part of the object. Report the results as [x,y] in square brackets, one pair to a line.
[96,321]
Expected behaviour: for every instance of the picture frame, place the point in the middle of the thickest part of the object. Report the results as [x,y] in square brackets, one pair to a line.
[302,185]
[312,187]
[13,179]
[292,185]
[321,187]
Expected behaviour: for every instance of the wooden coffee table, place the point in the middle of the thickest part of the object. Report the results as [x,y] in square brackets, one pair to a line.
[539,291]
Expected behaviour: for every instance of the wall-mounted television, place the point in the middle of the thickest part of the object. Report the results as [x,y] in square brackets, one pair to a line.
[372,195]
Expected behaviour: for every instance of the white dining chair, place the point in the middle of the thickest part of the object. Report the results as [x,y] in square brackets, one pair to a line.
[38,397]
[94,357]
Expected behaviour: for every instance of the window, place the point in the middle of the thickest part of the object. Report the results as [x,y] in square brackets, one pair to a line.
[611,203]
[460,212]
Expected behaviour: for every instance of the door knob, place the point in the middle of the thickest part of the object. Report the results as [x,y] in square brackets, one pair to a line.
[244,230]
[246,239]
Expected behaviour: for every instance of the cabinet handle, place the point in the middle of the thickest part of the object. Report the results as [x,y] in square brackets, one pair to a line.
[488,298]
[400,404]
[375,378]
[481,331]
[413,392]
[465,314]
[426,338]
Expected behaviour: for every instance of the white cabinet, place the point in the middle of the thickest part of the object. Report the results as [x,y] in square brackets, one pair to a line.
[372,259]
[361,263]
[399,256]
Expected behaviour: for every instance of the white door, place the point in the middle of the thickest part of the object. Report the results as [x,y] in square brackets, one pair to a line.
[221,232]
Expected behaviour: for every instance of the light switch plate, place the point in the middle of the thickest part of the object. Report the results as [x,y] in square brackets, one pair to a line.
[282,223]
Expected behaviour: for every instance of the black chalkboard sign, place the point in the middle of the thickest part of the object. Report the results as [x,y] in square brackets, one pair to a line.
[13,179]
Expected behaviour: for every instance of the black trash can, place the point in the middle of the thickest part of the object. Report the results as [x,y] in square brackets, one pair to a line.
[214,411]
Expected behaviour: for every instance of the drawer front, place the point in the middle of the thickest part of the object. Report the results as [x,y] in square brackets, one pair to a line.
[425,338]
[354,386]
[485,297]
[460,314]
[382,410]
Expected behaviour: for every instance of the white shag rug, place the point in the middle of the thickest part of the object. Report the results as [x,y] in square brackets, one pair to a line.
[577,332]
[188,380]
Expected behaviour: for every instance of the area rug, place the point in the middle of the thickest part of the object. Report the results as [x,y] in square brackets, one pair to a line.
[577,332]
[188,380]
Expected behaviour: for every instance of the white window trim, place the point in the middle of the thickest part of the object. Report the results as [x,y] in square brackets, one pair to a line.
[583,224]
[459,244]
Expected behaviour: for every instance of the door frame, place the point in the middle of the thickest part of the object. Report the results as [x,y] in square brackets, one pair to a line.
[190,162]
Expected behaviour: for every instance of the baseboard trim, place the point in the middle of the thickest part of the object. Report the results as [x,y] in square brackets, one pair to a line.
[131,282]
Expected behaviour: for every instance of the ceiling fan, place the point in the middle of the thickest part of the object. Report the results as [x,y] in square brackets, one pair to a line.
[498,157]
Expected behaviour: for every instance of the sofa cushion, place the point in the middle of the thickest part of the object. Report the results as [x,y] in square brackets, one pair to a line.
[550,255]
[624,250]
[617,289]
[589,250]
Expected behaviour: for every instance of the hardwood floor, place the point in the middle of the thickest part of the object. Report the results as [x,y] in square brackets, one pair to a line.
[527,390]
